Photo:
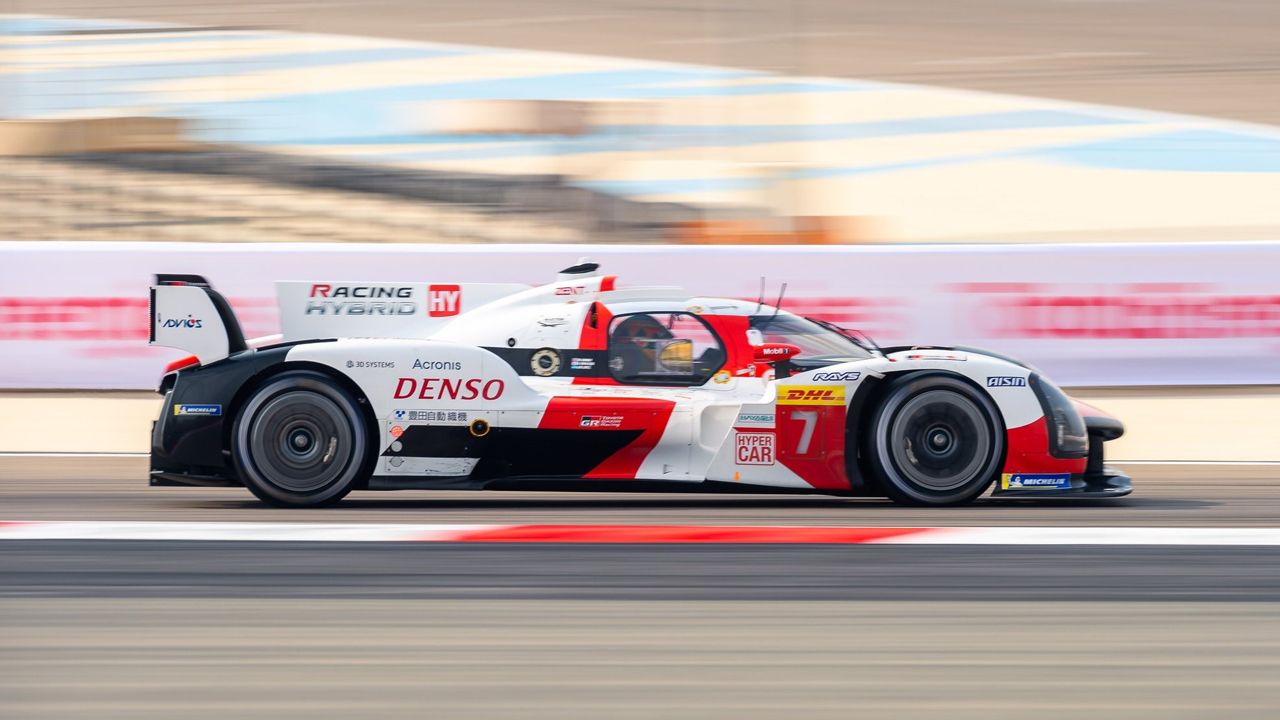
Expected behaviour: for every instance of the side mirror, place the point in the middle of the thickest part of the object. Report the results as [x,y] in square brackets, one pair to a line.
[779,355]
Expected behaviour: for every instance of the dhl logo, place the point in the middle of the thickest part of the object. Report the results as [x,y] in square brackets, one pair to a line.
[811,395]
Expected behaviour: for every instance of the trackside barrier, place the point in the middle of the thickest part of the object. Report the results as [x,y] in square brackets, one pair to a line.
[74,315]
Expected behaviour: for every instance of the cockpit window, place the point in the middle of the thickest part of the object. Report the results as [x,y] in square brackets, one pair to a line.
[663,349]
[815,341]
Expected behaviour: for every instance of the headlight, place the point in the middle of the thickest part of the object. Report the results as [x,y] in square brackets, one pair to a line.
[1068,437]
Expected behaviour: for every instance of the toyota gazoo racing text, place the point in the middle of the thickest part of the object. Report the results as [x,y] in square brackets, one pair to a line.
[581,385]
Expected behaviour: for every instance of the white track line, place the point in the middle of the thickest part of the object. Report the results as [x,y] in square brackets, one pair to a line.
[635,534]
[266,532]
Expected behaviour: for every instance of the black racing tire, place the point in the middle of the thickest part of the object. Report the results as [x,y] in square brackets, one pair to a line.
[300,441]
[935,439]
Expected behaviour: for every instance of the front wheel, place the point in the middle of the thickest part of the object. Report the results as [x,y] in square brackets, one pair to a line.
[935,440]
[300,441]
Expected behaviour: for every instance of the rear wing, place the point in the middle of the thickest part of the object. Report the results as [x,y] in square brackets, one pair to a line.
[188,314]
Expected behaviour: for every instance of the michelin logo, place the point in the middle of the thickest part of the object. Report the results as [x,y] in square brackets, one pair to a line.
[211,410]
[1029,481]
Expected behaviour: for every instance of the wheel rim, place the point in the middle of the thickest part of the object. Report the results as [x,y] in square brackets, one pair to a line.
[301,441]
[940,440]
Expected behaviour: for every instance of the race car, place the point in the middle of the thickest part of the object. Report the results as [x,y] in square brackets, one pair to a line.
[580,384]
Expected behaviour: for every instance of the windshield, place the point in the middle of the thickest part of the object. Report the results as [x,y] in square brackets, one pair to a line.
[815,341]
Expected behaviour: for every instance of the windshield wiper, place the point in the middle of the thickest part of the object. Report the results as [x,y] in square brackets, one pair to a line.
[865,341]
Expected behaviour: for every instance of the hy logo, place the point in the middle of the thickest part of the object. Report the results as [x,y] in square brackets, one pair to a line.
[444,300]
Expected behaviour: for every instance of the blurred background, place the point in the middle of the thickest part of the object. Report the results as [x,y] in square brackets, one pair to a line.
[1090,185]
[508,120]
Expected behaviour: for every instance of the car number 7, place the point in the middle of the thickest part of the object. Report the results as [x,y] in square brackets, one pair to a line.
[810,420]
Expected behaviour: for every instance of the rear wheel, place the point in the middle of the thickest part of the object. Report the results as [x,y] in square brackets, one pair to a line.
[935,440]
[300,441]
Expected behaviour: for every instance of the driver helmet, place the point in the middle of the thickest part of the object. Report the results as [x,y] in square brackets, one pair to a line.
[644,332]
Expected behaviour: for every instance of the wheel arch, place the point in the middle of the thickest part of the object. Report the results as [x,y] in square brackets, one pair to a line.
[869,396]
[266,375]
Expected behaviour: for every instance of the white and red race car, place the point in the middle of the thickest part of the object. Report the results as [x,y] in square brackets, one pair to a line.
[581,385]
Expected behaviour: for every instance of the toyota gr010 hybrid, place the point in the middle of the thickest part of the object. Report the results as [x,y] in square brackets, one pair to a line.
[579,384]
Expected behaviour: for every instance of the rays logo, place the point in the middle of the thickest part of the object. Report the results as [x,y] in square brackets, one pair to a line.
[189,322]
[837,376]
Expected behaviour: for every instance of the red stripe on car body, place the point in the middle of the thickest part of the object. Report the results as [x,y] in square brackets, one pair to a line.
[647,415]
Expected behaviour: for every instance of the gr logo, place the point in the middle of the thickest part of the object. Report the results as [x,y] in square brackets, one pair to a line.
[444,300]
[1006,381]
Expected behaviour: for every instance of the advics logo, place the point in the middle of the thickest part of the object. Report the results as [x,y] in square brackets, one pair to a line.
[186,323]
[444,300]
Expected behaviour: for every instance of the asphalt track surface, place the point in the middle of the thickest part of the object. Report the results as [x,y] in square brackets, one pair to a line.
[115,488]
[1207,57]
[146,629]
[215,659]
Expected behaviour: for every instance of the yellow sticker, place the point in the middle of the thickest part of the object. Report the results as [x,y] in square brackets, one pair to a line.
[811,395]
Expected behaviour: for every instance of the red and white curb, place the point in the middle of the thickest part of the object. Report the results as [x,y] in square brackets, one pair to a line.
[634,534]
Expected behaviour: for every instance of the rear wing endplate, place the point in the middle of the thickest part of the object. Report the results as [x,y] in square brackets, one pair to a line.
[188,314]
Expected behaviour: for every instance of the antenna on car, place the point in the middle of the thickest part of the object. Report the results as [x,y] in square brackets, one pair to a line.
[777,307]
[760,301]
